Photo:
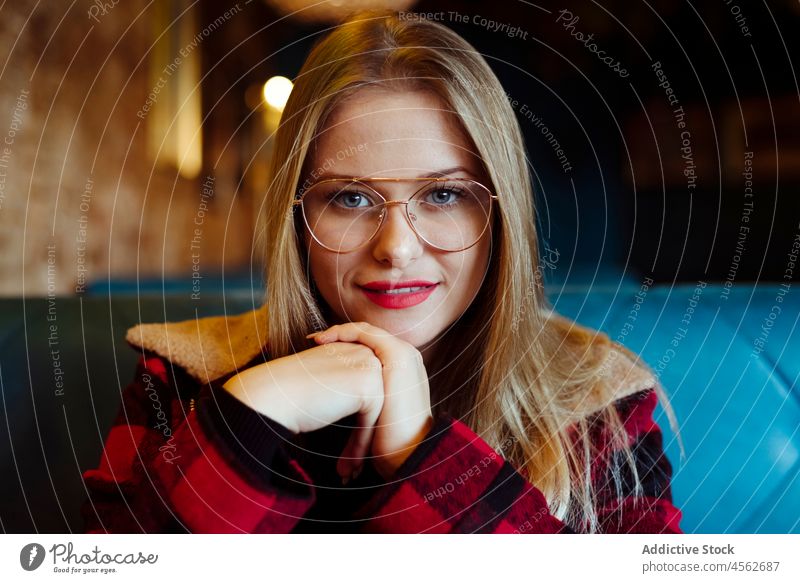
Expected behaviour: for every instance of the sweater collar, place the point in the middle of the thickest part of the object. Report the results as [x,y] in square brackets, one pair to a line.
[211,347]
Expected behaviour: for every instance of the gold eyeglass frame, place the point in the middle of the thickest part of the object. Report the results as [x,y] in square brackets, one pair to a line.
[386,203]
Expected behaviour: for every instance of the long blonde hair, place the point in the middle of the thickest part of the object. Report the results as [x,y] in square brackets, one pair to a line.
[503,368]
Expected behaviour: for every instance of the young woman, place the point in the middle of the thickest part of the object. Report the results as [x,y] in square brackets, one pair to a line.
[439,394]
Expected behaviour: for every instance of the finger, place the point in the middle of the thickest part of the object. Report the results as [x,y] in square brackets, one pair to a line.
[396,359]
[406,388]
[380,341]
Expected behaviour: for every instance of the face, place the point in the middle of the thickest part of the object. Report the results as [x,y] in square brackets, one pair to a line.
[396,134]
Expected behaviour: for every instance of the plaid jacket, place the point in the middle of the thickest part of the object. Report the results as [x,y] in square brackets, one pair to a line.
[186,456]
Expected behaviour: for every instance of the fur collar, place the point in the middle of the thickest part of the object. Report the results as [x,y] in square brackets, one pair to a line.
[211,347]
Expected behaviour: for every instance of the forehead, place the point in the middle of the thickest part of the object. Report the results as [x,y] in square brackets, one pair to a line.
[378,132]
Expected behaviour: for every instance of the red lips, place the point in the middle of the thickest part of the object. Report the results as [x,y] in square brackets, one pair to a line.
[376,293]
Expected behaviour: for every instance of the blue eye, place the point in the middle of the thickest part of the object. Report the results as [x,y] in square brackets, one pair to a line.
[445,196]
[349,199]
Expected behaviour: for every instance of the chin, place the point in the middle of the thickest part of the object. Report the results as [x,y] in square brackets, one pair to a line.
[415,329]
[417,336]
[413,337]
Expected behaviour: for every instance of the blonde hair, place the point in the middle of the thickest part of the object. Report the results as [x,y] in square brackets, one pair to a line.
[504,368]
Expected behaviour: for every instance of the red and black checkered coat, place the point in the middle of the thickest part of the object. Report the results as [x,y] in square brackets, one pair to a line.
[188,457]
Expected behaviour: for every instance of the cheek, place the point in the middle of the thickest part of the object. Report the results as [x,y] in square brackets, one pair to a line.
[328,270]
[465,273]
[323,270]
[476,263]
[477,266]
[483,254]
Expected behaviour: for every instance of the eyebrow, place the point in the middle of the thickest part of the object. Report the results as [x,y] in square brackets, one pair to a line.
[434,174]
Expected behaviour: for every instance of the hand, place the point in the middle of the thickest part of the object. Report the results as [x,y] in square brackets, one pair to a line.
[406,417]
[316,387]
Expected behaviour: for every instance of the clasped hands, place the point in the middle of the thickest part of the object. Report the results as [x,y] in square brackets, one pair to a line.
[355,368]
[404,418]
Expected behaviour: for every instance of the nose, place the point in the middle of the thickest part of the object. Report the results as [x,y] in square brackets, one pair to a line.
[396,243]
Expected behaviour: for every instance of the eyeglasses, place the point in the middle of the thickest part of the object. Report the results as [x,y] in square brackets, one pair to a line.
[450,214]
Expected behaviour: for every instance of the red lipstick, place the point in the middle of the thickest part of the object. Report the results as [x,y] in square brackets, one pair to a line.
[398,295]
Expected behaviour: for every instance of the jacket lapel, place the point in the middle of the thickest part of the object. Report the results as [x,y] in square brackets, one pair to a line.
[211,347]
[207,348]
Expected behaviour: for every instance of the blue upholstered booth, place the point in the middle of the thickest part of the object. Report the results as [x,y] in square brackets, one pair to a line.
[729,360]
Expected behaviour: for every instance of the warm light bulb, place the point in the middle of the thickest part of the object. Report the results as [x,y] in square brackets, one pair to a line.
[276,92]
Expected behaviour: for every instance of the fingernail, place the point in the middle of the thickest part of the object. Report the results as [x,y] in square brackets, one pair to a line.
[345,479]
[357,472]
[312,334]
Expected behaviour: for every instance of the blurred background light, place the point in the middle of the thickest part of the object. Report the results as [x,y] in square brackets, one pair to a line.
[276,92]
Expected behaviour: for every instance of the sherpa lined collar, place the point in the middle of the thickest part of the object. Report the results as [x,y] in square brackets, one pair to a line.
[211,347]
